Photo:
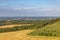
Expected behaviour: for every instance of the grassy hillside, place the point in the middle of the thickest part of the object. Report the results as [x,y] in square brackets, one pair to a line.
[48,30]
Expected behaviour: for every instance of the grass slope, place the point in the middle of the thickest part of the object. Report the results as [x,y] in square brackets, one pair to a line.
[48,30]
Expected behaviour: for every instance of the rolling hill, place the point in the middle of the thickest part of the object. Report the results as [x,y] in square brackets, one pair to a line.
[48,30]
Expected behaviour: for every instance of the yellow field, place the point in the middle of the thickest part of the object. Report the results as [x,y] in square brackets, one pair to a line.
[21,35]
[9,26]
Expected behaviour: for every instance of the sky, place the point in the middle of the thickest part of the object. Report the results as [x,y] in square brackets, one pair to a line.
[29,7]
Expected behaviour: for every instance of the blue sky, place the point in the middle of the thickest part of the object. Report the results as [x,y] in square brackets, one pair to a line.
[29,8]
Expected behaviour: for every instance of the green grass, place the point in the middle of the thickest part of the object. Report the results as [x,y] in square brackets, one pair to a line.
[49,30]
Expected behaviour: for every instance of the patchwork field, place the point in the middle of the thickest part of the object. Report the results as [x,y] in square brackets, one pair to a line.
[40,30]
[22,35]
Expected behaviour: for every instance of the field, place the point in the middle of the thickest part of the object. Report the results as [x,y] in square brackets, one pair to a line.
[13,25]
[30,30]
[48,30]
[21,35]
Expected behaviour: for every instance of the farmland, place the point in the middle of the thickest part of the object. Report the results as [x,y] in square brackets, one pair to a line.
[30,29]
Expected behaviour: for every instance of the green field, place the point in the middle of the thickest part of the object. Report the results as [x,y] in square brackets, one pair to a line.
[48,30]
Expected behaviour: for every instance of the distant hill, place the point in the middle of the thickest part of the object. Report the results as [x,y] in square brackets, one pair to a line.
[25,18]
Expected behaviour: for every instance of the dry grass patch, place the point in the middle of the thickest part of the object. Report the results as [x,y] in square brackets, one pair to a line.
[21,35]
[12,25]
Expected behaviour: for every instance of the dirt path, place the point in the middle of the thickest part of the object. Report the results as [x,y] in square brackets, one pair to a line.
[21,35]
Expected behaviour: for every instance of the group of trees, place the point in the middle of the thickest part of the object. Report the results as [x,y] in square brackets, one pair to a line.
[16,28]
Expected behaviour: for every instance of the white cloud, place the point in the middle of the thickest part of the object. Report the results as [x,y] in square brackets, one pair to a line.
[30,11]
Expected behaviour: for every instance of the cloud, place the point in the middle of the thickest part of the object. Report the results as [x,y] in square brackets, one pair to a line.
[29,11]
